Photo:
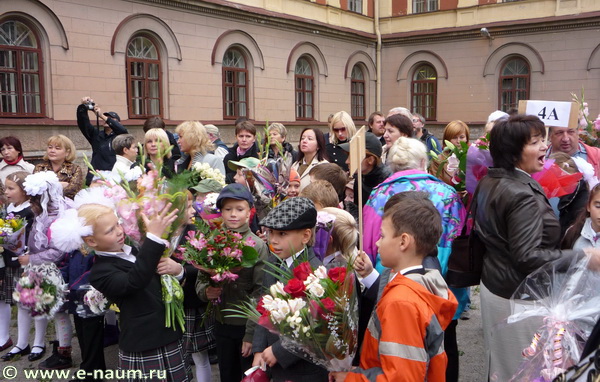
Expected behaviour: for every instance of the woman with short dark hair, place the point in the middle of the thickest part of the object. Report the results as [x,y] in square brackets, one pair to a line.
[12,158]
[514,220]
[396,126]
[244,147]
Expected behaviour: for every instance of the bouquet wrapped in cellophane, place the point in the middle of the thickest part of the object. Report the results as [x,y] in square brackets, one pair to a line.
[12,233]
[41,289]
[149,192]
[314,311]
[563,296]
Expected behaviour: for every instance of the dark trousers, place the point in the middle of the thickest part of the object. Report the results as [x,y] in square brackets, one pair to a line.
[451,348]
[229,350]
[90,334]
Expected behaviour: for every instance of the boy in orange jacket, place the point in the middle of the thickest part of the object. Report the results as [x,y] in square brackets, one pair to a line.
[405,337]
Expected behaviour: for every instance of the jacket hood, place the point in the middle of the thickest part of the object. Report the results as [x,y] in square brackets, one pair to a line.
[435,293]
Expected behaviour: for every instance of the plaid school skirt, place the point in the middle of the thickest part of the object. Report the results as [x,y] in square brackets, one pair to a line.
[198,337]
[166,363]
[7,286]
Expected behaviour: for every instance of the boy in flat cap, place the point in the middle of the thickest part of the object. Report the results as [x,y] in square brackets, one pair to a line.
[290,228]
[234,335]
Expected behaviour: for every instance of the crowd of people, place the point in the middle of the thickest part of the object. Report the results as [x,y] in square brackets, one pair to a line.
[412,211]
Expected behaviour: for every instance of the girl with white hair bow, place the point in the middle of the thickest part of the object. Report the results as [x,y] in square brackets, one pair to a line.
[47,202]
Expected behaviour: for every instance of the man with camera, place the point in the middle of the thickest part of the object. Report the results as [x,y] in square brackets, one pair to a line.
[103,155]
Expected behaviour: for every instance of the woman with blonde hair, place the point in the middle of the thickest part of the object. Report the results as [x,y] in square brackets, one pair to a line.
[156,141]
[195,146]
[341,130]
[278,133]
[59,157]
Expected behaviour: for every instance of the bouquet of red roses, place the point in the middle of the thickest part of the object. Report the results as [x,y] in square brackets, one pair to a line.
[314,311]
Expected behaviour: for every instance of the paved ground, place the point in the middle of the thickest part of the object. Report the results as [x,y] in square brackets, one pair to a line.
[469,332]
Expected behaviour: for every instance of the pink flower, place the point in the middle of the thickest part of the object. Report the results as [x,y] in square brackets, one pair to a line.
[597,123]
[250,242]
[146,181]
[237,236]
[198,243]
[225,276]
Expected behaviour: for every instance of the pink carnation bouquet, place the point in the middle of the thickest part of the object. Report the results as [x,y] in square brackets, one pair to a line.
[219,253]
[313,310]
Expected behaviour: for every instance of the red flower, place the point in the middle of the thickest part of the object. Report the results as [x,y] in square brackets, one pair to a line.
[337,274]
[295,288]
[302,271]
[260,308]
[328,304]
[265,321]
[321,309]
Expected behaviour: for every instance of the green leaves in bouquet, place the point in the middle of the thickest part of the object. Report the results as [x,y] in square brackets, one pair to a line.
[250,256]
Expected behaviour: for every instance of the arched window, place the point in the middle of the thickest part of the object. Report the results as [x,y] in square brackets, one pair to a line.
[357,93]
[143,78]
[514,83]
[304,89]
[21,75]
[235,85]
[424,92]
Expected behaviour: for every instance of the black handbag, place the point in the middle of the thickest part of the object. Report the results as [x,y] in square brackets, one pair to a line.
[466,259]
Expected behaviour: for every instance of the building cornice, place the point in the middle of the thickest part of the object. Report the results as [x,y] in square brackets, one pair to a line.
[253,15]
[497,29]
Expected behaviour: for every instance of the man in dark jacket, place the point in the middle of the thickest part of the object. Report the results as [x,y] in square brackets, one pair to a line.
[425,136]
[103,156]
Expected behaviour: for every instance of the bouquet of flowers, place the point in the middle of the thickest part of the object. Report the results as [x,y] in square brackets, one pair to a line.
[150,193]
[12,234]
[588,130]
[193,176]
[93,303]
[555,181]
[561,298]
[207,209]
[479,160]
[219,253]
[314,311]
[41,289]
[452,165]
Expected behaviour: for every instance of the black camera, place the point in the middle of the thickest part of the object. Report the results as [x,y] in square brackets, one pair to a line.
[90,105]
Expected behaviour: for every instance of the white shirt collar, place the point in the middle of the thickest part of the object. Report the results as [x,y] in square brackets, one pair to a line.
[125,255]
[290,260]
[406,270]
[329,258]
[125,161]
[12,208]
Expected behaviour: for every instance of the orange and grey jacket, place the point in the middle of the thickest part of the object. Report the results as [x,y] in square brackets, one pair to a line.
[405,337]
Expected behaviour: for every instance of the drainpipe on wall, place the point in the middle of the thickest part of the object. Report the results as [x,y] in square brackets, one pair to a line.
[377,57]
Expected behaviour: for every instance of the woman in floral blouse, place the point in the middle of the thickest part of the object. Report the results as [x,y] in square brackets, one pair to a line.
[60,154]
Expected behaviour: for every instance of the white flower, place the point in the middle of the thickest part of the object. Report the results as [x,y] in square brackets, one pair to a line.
[452,164]
[267,302]
[133,174]
[16,296]
[277,288]
[316,289]
[281,306]
[47,298]
[37,184]
[321,272]
[296,304]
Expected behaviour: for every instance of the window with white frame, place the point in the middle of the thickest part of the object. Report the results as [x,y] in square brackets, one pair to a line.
[143,78]
[421,6]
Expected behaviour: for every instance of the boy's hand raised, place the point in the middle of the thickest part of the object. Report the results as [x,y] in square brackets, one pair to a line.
[363,265]
[158,224]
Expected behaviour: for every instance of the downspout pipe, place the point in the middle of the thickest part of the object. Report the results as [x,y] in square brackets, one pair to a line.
[377,57]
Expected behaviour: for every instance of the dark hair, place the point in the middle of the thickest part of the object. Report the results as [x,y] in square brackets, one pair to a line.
[322,192]
[321,151]
[240,120]
[245,126]
[418,217]
[333,174]
[509,137]
[574,231]
[12,141]
[402,123]
[153,123]
[372,117]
